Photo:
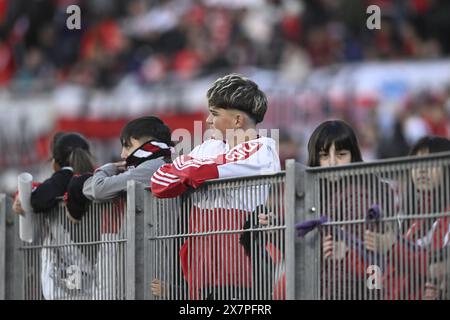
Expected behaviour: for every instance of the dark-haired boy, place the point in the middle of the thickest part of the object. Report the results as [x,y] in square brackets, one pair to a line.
[146,145]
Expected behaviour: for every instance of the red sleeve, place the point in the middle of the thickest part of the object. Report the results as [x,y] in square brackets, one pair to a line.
[173,179]
[245,159]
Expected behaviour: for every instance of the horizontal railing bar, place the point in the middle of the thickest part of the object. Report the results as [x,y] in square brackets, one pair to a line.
[73,244]
[379,163]
[244,178]
[388,219]
[100,202]
[200,234]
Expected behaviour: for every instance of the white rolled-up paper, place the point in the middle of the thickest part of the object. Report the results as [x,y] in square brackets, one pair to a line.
[26,223]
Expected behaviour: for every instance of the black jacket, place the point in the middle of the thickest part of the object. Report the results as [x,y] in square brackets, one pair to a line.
[45,196]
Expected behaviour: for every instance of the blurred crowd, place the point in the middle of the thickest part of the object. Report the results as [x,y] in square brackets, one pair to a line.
[161,39]
[135,57]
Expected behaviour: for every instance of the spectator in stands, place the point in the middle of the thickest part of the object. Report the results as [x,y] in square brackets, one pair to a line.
[71,155]
[236,106]
[266,248]
[418,260]
[334,143]
[146,145]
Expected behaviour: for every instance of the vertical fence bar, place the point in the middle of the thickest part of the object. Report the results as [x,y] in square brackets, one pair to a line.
[289,240]
[149,211]
[13,280]
[130,267]
[306,249]
[2,246]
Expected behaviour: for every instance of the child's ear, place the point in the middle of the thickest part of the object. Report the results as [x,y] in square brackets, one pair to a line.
[55,165]
[239,121]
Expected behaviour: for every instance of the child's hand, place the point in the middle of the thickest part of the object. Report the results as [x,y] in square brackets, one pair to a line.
[370,240]
[327,245]
[157,288]
[333,249]
[431,291]
[263,219]
[121,166]
[378,242]
[438,271]
[17,207]
[266,220]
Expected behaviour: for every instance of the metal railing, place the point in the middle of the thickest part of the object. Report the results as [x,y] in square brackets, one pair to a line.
[378,230]
[383,230]
[73,261]
[210,245]
[2,246]
[91,259]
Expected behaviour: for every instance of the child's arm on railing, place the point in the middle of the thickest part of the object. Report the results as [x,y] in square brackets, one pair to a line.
[45,196]
[246,159]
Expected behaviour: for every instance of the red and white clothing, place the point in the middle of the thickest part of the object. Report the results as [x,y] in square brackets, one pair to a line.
[215,159]
[420,241]
[436,238]
[218,260]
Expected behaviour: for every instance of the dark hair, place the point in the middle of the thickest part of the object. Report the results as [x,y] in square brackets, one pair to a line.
[432,144]
[56,136]
[146,127]
[329,132]
[72,149]
[234,91]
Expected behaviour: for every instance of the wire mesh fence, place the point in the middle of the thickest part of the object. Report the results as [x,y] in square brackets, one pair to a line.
[377,230]
[77,261]
[2,246]
[224,241]
[384,230]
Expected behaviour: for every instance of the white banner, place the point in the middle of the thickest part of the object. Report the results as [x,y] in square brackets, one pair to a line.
[26,226]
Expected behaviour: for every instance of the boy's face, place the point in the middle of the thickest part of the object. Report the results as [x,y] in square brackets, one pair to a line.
[426,178]
[221,119]
[129,148]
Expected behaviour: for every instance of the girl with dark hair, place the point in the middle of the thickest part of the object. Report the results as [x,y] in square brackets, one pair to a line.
[70,156]
[333,142]
[432,195]
[419,258]
[346,198]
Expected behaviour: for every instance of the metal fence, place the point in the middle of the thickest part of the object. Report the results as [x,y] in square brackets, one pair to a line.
[382,230]
[378,230]
[96,258]
[210,244]
[91,259]
[2,246]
